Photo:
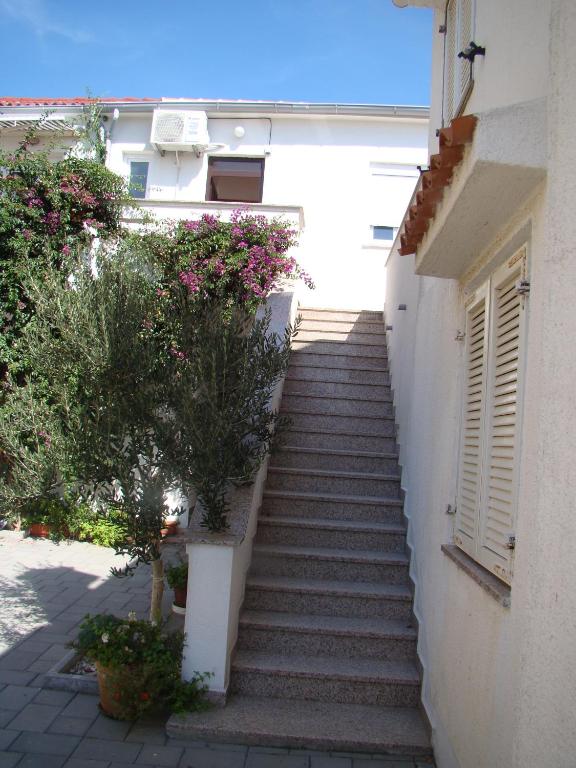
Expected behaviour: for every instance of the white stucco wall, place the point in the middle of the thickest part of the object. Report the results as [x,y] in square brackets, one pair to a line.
[500,683]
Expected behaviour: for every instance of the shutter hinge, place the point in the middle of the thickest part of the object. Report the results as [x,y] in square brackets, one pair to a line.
[451,510]
[460,336]
[471,51]
[511,543]
[523,287]
[442,29]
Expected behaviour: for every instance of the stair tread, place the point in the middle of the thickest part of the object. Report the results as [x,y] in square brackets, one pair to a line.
[331,381]
[334,625]
[280,470]
[336,452]
[366,589]
[332,667]
[334,497]
[331,525]
[332,553]
[311,724]
[349,398]
[288,411]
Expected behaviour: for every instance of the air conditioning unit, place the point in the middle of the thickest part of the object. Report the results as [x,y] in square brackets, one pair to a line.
[180,131]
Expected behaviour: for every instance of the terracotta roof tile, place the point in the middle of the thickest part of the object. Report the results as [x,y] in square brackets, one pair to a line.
[25,101]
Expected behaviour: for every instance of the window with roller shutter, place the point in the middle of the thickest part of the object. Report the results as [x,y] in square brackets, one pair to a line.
[490,439]
[457,71]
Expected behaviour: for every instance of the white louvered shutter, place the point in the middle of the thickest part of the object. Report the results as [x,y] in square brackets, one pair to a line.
[465,36]
[457,72]
[504,390]
[450,60]
[471,441]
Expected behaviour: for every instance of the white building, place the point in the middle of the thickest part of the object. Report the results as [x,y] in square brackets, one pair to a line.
[342,174]
[483,369]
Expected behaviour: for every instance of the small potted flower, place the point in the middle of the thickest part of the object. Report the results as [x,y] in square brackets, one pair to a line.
[45,518]
[177,578]
[138,666]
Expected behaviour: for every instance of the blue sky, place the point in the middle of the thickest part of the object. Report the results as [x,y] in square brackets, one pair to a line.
[302,50]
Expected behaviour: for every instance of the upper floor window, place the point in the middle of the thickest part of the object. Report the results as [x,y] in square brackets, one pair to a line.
[138,178]
[380,232]
[457,71]
[235,179]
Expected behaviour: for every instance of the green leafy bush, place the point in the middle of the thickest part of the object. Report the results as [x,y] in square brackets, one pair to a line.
[177,576]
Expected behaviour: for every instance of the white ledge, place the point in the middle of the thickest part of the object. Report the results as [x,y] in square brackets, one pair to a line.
[500,171]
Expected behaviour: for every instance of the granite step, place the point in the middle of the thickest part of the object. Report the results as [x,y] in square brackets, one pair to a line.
[330,481]
[331,506]
[356,336]
[349,349]
[307,371]
[314,635]
[316,358]
[328,598]
[336,405]
[312,725]
[376,392]
[339,534]
[382,426]
[352,315]
[325,678]
[343,325]
[304,436]
[329,563]
[348,461]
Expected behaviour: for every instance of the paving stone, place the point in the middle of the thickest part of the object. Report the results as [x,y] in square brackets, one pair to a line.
[34,717]
[228,747]
[42,761]
[15,697]
[54,698]
[325,761]
[9,759]
[18,661]
[259,760]
[45,743]
[150,734]
[10,677]
[54,653]
[77,762]
[210,758]
[113,751]
[82,705]
[270,750]
[5,716]
[74,726]
[160,756]
[105,728]
[6,738]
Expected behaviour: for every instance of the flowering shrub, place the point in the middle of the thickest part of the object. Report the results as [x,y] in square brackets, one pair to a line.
[235,263]
[47,210]
[141,665]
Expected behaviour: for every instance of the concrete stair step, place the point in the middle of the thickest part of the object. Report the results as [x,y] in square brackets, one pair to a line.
[331,506]
[356,336]
[336,405]
[328,598]
[348,461]
[382,426]
[330,481]
[351,315]
[322,678]
[313,635]
[345,325]
[340,534]
[309,725]
[378,393]
[316,358]
[346,348]
[365,376]
[304,436]
[329,563]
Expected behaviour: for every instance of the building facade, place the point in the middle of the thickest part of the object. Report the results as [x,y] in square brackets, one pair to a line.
[479,304]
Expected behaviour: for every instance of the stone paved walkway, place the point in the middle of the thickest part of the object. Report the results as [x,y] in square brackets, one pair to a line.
[45,591]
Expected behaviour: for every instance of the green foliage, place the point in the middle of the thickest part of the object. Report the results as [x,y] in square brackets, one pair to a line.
[144,663]
[177,575]
[224,377]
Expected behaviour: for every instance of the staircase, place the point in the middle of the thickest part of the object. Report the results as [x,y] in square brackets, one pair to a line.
[326,650]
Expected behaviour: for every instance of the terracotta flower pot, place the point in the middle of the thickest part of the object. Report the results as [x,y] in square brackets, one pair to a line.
[116,687]
[39,530]
[179,604]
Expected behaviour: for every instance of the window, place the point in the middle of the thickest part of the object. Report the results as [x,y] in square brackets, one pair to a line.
[235,179]
[489,447]
[138,178]
[382,233]
[457,72]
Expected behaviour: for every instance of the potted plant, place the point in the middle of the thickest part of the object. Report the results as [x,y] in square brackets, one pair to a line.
[46,517]
[177,578]
[138,666]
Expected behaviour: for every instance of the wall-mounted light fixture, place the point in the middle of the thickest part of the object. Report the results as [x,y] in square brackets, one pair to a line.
[471,51]
[402,306]
[239,131]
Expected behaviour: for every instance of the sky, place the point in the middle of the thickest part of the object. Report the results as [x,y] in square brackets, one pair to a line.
[348,51]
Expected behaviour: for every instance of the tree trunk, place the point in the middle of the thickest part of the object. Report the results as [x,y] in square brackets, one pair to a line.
[157,591]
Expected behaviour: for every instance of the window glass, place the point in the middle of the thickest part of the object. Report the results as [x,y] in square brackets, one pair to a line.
[382,233]
[235,179]
[138,178]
